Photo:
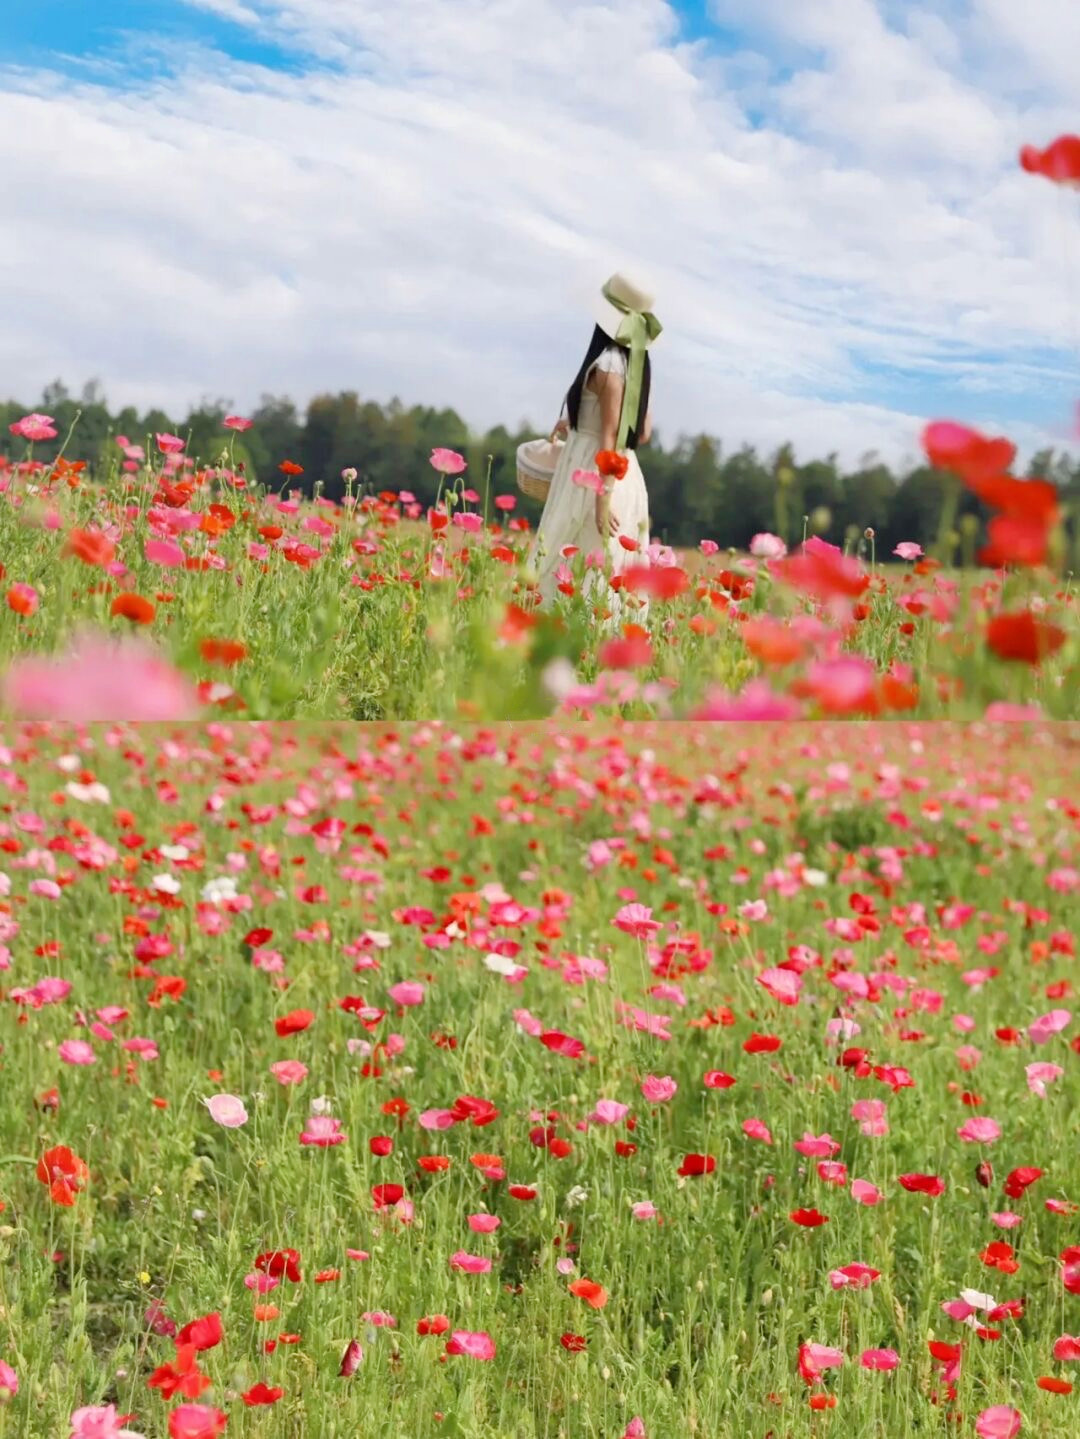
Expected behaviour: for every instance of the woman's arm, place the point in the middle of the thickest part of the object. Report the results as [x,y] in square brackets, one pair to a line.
[646,429]
[611,398]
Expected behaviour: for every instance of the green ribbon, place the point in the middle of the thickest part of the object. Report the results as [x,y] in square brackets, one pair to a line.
[638,330]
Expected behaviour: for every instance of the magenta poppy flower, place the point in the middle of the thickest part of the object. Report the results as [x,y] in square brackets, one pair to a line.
[475,1345]
[322,1131]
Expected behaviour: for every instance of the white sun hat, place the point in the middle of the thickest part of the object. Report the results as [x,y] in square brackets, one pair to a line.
[631,293]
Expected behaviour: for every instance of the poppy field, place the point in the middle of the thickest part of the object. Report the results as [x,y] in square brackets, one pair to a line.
[593,1083]
[161,587]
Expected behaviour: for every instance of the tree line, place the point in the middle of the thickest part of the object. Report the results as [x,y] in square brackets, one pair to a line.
[698,488]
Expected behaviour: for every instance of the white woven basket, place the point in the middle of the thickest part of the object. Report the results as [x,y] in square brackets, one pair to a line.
[536,464]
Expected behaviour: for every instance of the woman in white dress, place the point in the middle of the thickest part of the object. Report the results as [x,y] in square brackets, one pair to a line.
[607,409]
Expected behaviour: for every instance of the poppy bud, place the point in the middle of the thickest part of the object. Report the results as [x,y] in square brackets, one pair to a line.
[984,1174]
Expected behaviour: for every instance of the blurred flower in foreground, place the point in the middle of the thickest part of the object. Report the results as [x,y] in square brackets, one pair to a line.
[99,679]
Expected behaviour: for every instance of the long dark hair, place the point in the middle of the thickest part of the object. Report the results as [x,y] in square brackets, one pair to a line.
[597,345]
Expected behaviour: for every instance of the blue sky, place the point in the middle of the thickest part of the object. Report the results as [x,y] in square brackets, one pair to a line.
[80,37]
[827,200]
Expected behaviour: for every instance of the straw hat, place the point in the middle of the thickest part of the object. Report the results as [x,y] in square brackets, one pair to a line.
[631,293]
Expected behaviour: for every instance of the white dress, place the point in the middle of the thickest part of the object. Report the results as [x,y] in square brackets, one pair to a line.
[569,516]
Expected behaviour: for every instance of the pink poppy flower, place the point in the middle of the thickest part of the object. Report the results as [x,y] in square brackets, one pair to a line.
[164,552]
[658,1091]
[237,423]
[870,1114]
[817,1146]
[863,1192]
[407,993]
[169,444]
[99,1422]
[1046,1026]
[476,1345]
[908,550]
[853,1276]
[99,679]
[289,1071]
[637,920]
[322,1131]
[980,1131]
[34,427]
[447,462]
[755,1129]
[1040,1075]
[227,1110]
[783,984]
[879,1359]
[76,1051]
[757,703]
[9,1381]
[588,480]
[768,547]
[436,1119]
[484,1223]
[470,1263]
[609,1111]
[644,1209]
[1000,1421]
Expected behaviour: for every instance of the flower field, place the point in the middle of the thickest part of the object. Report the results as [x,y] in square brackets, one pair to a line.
[167,588]
[592,1083]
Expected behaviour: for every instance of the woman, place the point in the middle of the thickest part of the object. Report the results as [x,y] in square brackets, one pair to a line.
[607,408]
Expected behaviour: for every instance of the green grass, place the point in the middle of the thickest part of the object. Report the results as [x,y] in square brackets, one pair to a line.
[355,619]
[708,1306]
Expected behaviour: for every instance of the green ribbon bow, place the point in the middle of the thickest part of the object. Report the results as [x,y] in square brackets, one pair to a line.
[638,330]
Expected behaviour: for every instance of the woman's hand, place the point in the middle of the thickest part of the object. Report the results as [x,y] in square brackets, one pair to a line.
[561,430]
[606,523]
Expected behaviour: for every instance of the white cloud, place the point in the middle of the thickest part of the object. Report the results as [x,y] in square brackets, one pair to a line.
[429,217]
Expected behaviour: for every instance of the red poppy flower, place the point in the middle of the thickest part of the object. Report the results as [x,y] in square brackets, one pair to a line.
[1020,1179]
[280,1262]
[595,1295]
[573,1343]
[694,1164]
[1053,1385]
[999,1255]
[435,1324]
[631,652]
[560,1043]
[182,1376]
[290,467]
[1020,636]
[659,582]
[762,1044]
[294,1022]
[350,1360]
[965,452]
[609,462]
[90,546]
[922,1184]
[64,1172]
[385,1196]
[717,1079]
[204,1333]
[433,1163]
[222,652]
[262,1394]
[808,1218]
[1060,161]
